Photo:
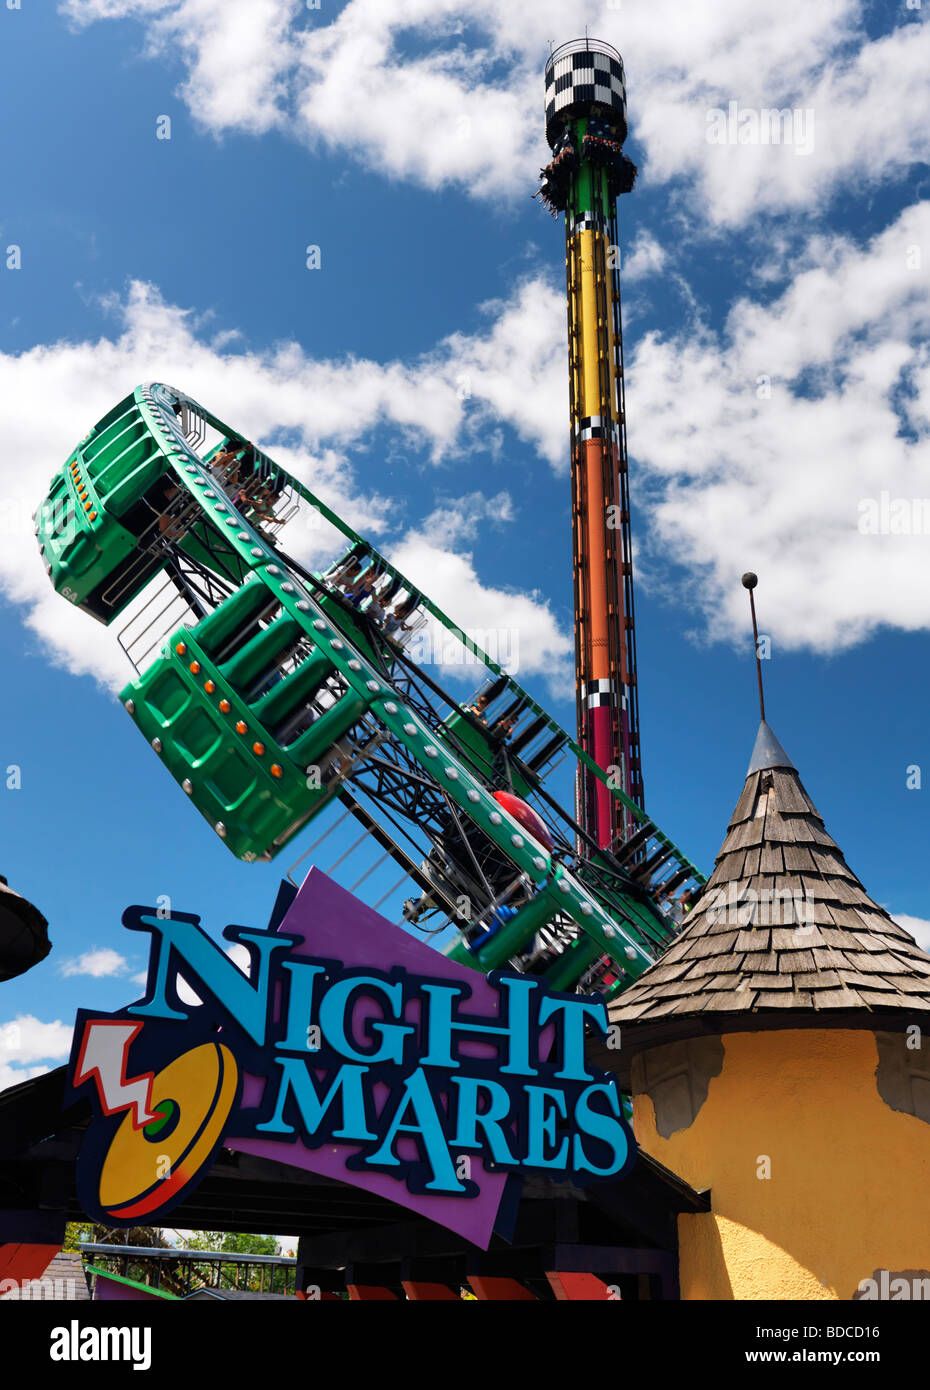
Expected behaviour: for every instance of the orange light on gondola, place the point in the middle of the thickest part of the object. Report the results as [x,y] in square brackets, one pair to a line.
[224,706]
[258,748]
[240,727]
[181,648]
[209,687]
[195,667]
[276,771]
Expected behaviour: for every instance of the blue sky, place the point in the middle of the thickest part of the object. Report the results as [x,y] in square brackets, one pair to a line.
[776,313]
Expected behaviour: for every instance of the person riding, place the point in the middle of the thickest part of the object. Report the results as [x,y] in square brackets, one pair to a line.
[478,707]
[264,498]
[346,575]
[375,610]
[395,620]
[361,589]
[229,467]
[505,727]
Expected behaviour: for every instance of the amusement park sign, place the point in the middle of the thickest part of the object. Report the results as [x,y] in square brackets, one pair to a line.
[350,1049]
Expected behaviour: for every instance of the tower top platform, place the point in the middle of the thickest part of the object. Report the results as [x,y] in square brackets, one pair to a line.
[585,77]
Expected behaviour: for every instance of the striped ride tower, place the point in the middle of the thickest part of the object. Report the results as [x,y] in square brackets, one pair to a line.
[586,126]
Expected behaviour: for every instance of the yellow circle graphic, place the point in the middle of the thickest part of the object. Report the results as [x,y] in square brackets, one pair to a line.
[145,1168]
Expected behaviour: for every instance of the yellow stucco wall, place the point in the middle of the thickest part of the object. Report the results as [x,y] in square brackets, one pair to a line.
[850,1185]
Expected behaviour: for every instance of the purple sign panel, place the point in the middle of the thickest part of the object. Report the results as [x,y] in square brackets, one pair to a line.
[348,1049]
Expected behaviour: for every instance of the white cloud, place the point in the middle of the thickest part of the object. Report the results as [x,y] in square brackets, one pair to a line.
[26,1039]
[918,927]
[813,59]
[98,963]
[728,480]
[237,55]
[14,1076]
[518,630]
[646,257]
[738,481]
[435,118]
[450,91]
[444,402]
[461,518]
[517,371]
[27,1046]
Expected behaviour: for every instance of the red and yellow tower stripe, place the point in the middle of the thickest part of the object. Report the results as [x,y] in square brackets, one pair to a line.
[586,125]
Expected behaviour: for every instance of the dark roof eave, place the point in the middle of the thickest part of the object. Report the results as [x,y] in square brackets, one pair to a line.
[680,1194]
[642,1037]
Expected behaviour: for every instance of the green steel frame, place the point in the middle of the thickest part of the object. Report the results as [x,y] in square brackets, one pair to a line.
[137,506]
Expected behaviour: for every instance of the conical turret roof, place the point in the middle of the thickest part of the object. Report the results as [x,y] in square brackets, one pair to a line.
[782,929]
[767,752]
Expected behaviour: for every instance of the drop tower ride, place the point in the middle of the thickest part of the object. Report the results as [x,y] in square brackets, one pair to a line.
[586,127]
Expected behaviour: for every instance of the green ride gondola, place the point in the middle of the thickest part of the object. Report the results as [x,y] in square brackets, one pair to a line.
[270,690]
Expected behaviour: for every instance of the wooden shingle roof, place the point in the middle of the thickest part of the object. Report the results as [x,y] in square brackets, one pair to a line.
[62,1281]
[782,925]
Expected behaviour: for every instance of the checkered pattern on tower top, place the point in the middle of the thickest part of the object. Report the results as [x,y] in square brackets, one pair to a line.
[578,81]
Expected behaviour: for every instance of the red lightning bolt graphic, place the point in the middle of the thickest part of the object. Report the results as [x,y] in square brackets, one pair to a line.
[103,1058]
